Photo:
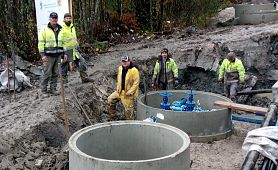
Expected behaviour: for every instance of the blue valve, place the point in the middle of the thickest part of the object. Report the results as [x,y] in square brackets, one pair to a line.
[165,105]
[179,103]
[190,104]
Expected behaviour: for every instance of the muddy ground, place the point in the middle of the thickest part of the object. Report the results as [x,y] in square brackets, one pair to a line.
[32,128]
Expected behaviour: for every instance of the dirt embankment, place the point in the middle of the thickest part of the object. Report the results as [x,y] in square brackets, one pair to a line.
[32,128]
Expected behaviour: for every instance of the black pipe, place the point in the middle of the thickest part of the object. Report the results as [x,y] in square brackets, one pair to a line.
[254,91]
[252,156]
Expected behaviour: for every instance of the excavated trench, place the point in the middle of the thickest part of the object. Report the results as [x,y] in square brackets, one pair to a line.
[46,141]
[42,146]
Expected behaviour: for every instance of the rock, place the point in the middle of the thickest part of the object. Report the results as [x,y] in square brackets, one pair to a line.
[38,163]
[39,145]
[4,149]
[225,17]
[207,57]
[21,64]
[37,70]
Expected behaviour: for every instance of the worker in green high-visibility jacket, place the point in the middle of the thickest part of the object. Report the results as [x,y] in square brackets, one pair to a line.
[50,47]
[232,73]
[165,74]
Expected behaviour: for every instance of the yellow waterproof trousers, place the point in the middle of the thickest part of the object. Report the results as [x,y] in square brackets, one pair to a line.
[127,101]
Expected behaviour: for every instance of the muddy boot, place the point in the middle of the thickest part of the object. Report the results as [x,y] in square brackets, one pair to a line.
[112,112]
[54,92]
[129,115]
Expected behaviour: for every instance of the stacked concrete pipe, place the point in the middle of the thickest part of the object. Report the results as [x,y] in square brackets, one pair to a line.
[255,13]
[134,145]
[211,125]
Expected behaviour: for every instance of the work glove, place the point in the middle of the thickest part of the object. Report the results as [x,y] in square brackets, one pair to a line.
[221,80]
[176,82]
[44,59]
[153,86]
[128,93]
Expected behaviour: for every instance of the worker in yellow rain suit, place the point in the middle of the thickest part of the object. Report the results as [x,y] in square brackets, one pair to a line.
[232,72]
[127,89]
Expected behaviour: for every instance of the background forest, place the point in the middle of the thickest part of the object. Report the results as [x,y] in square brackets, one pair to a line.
[99,19]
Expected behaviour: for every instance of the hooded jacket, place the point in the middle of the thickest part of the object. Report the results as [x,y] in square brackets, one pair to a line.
[68,34]
[132,80]
[233,71]
[171,70]
[50,44]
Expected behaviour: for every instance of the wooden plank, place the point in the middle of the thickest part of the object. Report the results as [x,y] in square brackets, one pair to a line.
[242,107]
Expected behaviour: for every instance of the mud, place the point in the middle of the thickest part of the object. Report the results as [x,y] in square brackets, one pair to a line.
[32,129]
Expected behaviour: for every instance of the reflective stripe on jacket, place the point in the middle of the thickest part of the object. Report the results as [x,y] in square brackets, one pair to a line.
[48,44]
[68,34]
[131,81]
[172,70]
[229,69]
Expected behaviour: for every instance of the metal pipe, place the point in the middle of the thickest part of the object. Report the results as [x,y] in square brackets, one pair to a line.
[267,163]
[254,91]
[252,156]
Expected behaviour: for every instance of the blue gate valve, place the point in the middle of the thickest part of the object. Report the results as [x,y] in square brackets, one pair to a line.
[190,104]
[165,105]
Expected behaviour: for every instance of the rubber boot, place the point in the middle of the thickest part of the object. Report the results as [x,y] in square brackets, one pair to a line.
[111,111]
[129,114]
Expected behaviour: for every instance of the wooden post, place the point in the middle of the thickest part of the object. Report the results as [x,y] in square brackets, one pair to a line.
[70,7]
[65,113]
[8,69]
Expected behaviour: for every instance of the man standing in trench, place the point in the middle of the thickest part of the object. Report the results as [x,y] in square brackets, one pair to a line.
[232,72]
[50,46]
[165,74]
[71,45]
[127,89]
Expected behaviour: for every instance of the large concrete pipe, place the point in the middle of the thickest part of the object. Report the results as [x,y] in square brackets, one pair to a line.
[255,13]
[134,145]
[207,126]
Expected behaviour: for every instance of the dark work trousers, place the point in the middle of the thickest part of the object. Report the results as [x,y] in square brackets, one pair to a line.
[50,70]
[230,89]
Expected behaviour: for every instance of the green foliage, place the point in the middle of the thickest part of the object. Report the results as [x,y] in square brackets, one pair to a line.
[18,29]
[91,17]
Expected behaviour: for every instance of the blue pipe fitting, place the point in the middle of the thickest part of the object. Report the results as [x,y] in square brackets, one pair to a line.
[165,105]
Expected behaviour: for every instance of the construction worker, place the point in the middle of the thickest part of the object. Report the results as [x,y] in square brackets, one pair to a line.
[165,74]
[232,72]
[71,45]
[51,50]
[127,89]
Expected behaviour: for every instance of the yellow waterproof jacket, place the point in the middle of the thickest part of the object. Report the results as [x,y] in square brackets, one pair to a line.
[132,80]
[68,34]
[172,70]
[232,67]
[48,45]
